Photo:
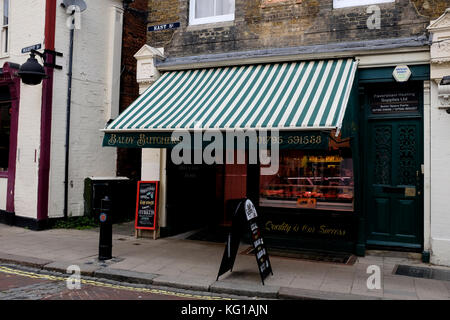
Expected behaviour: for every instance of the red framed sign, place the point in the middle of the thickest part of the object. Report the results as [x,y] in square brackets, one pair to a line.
[146,205]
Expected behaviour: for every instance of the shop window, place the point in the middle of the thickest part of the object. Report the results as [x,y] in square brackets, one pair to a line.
[211,11]
[5,27]
[311,179]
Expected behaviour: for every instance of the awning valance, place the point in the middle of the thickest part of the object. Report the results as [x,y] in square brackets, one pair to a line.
[308,95]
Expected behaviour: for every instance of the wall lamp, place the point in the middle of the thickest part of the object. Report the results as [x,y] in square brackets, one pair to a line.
[32,72]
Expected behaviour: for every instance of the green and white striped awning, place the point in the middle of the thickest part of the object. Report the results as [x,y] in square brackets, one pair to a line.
[288,96]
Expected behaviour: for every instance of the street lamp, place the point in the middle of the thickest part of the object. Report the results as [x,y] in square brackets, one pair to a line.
[31,72]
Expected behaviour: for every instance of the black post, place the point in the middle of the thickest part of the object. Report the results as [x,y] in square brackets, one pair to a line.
[105,245]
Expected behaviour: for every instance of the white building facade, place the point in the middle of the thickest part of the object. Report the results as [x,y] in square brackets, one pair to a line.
[32,177]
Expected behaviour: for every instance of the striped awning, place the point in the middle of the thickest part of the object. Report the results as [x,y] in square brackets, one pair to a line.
[289,96]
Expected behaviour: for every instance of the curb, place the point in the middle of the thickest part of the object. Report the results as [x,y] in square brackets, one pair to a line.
[125,276]
[269,292]
[23,260]
[61,267]
[286,293]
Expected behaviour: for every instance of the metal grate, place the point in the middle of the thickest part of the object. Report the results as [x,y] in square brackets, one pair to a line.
[422,272]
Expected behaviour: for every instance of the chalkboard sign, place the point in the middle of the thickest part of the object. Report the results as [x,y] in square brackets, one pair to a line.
[259,247]
[245,214]
[146,206]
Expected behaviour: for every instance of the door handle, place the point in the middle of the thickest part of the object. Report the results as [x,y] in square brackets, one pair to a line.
[418,182]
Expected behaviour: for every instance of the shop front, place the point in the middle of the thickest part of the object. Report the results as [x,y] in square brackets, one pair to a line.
[349,147]
[312,200]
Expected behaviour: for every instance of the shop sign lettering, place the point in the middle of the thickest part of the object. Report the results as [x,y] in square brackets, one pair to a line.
[166,26]
[394,102]
[293,228]
[285,140]
[139,140]
[292,140]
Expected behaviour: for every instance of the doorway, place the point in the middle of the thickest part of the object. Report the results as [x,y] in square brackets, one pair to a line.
[393,151]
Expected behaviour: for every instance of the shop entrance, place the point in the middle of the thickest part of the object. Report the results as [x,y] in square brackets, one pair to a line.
[394,157]
[191,202]
[200,198]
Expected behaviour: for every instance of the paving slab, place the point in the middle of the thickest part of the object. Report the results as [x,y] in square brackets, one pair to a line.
[338,280]
[431,289]
[399,287]
[125,275]
[23,260]
[245,289]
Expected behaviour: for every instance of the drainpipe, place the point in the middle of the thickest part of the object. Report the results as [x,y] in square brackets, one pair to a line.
[69,103]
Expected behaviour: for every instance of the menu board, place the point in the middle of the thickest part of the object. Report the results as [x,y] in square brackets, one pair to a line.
[146,206]
[394,102]
[260,250]
[245,213]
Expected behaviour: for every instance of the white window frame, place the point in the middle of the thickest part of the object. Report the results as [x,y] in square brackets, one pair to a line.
[212,19]
[5,29]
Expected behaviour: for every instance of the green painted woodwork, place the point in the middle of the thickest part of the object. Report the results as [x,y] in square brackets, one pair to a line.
[393,189]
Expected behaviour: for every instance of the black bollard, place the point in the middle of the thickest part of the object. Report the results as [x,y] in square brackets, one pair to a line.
[105,246]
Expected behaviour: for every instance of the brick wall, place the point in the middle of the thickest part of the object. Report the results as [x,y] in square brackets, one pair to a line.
[263,24]
[134,37]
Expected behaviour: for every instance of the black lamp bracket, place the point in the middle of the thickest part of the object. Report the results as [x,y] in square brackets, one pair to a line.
[44,57]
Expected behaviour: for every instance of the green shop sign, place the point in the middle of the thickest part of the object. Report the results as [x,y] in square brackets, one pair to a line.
[285,140]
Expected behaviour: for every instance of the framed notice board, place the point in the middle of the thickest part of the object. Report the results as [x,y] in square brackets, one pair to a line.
[146,205]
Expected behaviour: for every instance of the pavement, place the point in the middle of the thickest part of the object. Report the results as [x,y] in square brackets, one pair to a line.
[193,265]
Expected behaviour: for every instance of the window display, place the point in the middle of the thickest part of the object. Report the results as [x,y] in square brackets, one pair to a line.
[311,179]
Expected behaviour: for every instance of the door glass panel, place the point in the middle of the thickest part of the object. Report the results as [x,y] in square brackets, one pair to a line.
[383,154]
[407,160]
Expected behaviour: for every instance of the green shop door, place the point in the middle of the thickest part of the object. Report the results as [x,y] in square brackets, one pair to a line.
[394,158]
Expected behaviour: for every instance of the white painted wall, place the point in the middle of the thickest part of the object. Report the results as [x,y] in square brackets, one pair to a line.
[427,166]
[26,28]
[440,149]
[440,177]
[3,192]
[95,94]
[28,151]
[95,99]
[153,164]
